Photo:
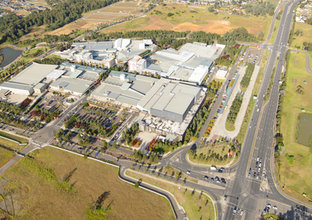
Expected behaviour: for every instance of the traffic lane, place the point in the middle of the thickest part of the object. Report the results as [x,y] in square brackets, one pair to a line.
[251,132]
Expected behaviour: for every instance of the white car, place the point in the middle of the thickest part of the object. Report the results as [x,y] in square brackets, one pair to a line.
[188,172]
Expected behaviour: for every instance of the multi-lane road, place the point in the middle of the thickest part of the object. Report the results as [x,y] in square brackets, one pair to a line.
[242,191]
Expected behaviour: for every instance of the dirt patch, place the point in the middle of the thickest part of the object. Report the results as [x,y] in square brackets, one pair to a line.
[213,26]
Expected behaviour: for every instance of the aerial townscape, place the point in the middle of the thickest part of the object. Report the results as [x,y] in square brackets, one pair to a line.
[177,109]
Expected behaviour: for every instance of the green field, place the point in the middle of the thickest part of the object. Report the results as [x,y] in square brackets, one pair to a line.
[7,149]
[296,159]
[181,17]
[5,155]
[304,36]
[13,137]
[53,184]
[196,206]
[304,132]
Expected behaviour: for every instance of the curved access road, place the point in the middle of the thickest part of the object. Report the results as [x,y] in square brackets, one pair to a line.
[308,64]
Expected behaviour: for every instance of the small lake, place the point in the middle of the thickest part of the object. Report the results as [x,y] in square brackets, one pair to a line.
[9,55]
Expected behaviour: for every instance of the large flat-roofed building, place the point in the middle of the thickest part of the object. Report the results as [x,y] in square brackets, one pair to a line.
[26,80]
[169,105]
[203,50]
[71,85]
[169,99]
[76,79]
[191,62]
[107,53]
[123,88]
[99,46]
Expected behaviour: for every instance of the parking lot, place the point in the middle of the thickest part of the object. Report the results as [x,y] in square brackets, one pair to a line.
[100,120]
[251,55]
[48,107]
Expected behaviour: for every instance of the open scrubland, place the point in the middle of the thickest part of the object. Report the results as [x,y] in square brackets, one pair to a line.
[296,159]
[52,184]
[302,33]
[181,17]
[114,13]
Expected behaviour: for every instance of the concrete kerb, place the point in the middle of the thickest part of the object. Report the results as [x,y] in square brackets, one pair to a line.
[187,157]
[9,139]
[155,192]
[184,187]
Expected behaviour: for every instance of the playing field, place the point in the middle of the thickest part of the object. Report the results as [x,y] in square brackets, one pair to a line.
[110,14]
[296,159]
[305,35]
[58,185]
[181,17]
[304,132]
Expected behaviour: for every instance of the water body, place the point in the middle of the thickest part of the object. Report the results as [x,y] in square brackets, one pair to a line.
[9,55]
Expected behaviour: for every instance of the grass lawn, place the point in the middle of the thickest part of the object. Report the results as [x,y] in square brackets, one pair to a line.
[5,155]
[195,205]
[296,159]
[181,17]
[305,36]
[13,137]
[170,171]
[304,131]
[58,185]
[7,149]
[221,148]
[230,126]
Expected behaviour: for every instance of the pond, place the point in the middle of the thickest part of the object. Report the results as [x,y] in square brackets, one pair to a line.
[9,55]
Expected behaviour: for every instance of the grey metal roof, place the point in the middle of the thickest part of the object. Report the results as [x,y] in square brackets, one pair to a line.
[33,74]
[168,95]
[16,85]
[72,85]
[104,45]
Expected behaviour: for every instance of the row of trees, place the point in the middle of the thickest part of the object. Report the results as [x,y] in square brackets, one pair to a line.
[235,107]
[153,157]
[129,134]
[211,155]
[307,46]
[260,8]
[91,126]
[163,38]
[246,79]
[229,55]
[44,114]
[197,122]
[13,27]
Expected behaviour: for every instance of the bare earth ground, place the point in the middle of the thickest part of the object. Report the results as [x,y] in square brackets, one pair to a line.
[112,13]
[188,18]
